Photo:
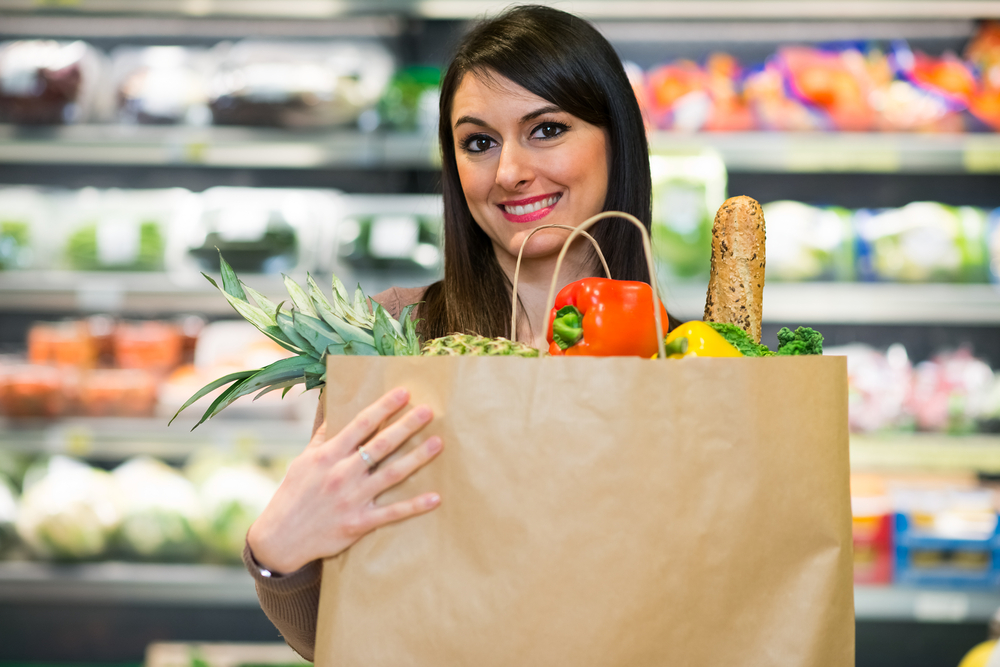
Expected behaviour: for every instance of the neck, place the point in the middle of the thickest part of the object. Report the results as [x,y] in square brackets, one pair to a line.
[534,280]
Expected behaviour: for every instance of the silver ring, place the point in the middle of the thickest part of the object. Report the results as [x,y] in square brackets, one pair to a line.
[367,458]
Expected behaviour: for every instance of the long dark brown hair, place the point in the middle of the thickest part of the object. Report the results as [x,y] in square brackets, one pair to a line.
[566,61]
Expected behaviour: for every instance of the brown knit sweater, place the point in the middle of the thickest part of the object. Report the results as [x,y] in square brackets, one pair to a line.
[291,601]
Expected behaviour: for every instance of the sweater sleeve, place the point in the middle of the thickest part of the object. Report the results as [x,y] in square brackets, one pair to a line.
[291,602]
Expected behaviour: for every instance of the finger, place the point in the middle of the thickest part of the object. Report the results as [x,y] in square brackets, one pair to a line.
[404,509]
[395,472]
[386,441]
[368,421]
[318,436]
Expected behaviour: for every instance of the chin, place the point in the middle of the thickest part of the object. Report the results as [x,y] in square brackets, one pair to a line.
[544,243]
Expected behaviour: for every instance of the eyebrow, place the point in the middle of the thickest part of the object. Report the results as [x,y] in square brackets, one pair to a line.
[524,119]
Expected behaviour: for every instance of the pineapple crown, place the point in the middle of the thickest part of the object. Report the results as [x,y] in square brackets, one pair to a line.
[314,328]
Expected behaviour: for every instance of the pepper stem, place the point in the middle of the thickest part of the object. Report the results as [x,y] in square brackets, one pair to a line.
[567,327]
[676,346]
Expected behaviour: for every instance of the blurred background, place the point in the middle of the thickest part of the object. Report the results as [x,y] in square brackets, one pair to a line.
[137,136]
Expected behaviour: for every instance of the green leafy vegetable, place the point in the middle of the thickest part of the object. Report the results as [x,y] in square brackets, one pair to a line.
[741,340]
[801,341]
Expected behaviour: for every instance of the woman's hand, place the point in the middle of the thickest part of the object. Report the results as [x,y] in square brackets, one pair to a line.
[326,502]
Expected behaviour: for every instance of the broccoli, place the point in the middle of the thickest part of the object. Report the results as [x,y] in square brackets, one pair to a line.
[802,341]
[741,340]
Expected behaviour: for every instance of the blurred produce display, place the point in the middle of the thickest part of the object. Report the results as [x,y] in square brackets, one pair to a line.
[45,82]
[853,88]
[142,510]
[400,233]
[161,85]
[953,392]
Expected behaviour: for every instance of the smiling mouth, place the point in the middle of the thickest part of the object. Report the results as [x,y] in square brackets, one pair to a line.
[532,207]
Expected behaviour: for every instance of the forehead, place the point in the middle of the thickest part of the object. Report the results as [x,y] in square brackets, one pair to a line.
[482,93]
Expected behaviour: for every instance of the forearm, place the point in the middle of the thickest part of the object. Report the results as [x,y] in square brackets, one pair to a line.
[291,602]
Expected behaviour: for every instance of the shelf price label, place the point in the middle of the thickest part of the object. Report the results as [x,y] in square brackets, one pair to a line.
[78,441]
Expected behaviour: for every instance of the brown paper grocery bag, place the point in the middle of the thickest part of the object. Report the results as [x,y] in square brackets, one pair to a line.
[605,511]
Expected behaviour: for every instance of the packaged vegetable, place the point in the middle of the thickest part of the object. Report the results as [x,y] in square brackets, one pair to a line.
[24,219]
[808,242]
[161,85]
[8,514]
[297,83]
[162,517]
[70,512]
[921,242]
[117,392]
[233,496]
[34,391]
[878,387]
[950,392]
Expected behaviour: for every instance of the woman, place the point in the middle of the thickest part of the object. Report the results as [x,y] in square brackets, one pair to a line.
[538,125]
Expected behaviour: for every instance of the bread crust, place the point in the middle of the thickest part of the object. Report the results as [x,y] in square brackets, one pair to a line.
[736,284]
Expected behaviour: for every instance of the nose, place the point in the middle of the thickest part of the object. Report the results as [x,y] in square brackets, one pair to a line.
[514,168]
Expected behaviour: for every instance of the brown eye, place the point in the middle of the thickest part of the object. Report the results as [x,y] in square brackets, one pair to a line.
[549,130]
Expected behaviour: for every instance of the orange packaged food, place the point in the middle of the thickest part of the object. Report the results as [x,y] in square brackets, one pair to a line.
[32,391]
[117,393]
[153,346]
[66,343]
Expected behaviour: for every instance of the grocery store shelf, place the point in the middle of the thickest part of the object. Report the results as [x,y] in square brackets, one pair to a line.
[845,152]
[463,9]
[213,585]
[926,452]
[115,439]
[901,603]
[124,583]
[268,148]
[219,147]
[859,303]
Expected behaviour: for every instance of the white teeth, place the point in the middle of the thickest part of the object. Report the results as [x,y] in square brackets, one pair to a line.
[531,208]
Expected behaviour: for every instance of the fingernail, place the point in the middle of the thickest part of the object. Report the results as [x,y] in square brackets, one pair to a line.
[424,412]
[400,394]
[433,500]
[434,445]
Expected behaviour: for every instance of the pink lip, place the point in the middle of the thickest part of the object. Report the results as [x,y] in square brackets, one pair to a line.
[528,217]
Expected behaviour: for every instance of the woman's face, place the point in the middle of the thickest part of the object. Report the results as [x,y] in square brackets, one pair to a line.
[523,162]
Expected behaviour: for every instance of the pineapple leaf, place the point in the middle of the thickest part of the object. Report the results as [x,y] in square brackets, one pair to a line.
[317,332]
[230,281]
[383,332]
[336,350]
[351,333]
[299,297]
[357,348]
[362,309]
[339,290]
[287,327]
[284,386]
[382,313]
[210,387]
[315,292]
[313,381]
[257,317]
[222,401]
[262,301]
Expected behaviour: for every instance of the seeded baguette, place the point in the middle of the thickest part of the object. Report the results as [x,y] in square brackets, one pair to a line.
[736,284]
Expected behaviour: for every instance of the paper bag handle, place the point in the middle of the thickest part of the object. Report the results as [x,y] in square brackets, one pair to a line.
[646,246]
[517,271]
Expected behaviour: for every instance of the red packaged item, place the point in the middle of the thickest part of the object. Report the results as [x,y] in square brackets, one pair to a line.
[835,82]
[871,508]
[61,344]
[677,96]
[983,52]
[32,391]
[153,346]
[927,94]
[730,111]
[772,105]
[117,393]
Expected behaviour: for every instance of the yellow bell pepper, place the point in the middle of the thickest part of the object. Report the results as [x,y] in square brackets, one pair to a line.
[697,339]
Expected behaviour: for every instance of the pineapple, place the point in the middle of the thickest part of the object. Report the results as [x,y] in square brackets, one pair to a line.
[470,344]
[317,327]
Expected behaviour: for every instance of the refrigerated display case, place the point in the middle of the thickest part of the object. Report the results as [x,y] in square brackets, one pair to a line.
[836,170]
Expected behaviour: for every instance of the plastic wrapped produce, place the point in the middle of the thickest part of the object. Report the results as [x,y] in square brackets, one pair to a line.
[921,242]
[983,52]
[678,97]
[70,512]
[116,392]
[951,392]
[411,99]
[926,93]
[162,517]
[33,391]
[150,345]
[297,84]
[878,386]
[122,230]
[808,243]
[44,82]
[258,230]
[233,496]
[24,217]
[774,108]
[730,111]
[401,233]
[162,85]
[993,244]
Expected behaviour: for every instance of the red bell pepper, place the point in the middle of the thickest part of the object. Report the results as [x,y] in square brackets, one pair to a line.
[599,317]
